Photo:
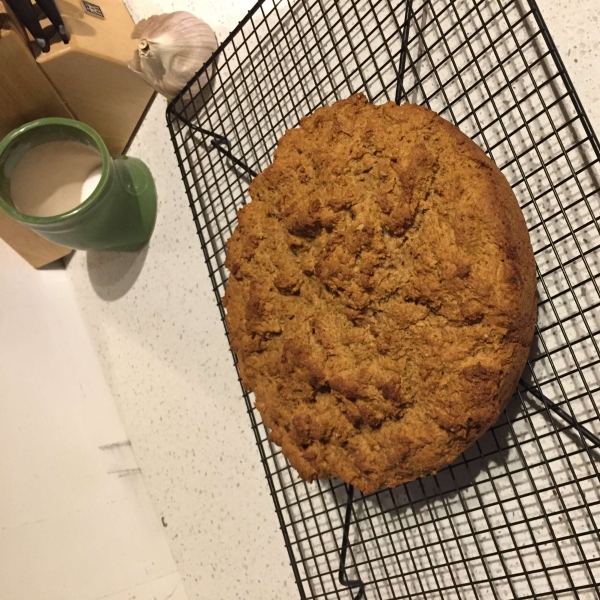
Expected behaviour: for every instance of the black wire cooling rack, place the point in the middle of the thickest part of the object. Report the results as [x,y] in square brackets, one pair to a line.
[518,514]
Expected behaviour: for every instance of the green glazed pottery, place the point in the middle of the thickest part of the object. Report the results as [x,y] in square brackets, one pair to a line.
[119,214]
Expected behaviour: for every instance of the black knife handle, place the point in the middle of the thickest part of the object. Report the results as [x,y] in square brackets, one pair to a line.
[25,12]
[50,10]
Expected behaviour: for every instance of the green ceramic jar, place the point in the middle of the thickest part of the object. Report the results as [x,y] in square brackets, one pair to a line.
[118,215]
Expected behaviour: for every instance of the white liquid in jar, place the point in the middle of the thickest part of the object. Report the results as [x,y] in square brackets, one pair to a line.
[91,182]
[49,180]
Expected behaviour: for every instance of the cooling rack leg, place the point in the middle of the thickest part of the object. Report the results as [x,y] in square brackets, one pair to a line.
[221,144]
[581,430]
[403,52]
[349,583]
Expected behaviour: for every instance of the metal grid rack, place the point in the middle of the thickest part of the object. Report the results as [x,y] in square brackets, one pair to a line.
[518,514]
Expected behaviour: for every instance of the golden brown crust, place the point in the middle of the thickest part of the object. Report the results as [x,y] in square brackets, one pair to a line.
[382,293]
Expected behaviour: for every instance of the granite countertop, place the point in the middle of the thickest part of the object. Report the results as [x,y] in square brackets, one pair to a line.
[153,319]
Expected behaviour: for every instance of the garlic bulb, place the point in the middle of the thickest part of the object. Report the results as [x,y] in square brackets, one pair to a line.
[172,49]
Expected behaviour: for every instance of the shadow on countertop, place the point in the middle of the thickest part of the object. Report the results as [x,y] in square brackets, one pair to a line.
[113,274]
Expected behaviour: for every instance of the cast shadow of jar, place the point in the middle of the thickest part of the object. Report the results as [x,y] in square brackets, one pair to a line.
[113,274]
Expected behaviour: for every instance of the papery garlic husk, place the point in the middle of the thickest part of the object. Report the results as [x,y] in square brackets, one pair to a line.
[172,49]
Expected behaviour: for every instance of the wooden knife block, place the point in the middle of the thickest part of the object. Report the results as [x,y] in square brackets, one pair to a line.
[87,79]
[25,95]
[90,72]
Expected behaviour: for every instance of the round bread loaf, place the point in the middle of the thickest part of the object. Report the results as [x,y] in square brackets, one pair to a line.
[381,299]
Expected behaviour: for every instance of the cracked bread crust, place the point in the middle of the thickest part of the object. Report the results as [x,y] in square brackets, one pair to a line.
[381,301]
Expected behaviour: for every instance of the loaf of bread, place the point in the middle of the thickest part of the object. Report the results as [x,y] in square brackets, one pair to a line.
[381,298]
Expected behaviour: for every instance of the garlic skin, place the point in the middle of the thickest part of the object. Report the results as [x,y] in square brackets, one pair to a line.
[172,48]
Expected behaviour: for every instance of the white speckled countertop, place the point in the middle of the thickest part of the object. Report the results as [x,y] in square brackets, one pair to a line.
[153,319]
